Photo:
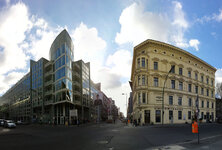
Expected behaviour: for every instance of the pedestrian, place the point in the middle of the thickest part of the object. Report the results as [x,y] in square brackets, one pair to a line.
[77,122]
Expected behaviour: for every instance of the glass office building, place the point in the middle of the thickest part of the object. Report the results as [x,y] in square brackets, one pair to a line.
[51,89]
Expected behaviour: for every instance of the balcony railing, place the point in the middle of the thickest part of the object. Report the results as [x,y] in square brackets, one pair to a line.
[48,73]
[49,92]
[76,74]
[48,82]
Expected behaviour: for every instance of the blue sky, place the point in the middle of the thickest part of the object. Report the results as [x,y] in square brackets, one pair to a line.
[104,33]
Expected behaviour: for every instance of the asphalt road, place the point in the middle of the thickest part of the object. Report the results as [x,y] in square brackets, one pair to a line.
[109,137]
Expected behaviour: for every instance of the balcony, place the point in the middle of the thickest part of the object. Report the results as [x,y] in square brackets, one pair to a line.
[48,82]
[48,64]
[76,65]
[77,93]
[49,92]
[48,73]
[48,102]
[75,83]
[76,74]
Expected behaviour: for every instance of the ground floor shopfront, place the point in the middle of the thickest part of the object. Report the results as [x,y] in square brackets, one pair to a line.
[172,115]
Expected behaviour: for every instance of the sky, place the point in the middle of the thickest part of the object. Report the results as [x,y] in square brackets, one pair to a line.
[104,34]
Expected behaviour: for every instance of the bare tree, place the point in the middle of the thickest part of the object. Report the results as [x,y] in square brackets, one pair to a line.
[219,89]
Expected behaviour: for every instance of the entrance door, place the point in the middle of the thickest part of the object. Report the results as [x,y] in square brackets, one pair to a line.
[147,116]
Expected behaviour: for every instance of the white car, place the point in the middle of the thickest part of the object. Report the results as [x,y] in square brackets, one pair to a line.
[9,124]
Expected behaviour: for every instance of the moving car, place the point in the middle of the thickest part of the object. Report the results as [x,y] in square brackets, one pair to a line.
[9,124]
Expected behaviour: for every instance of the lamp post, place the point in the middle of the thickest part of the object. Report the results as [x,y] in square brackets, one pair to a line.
[126,102]
[163,93]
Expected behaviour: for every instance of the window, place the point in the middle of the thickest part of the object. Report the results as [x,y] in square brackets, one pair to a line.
[180,71]
[139,80]
[138,62]
[158,116]
[207,104]
[212,82]
[189,115]
[173,68]
[155,66]
[212,93]
[170,100]
[212,105]
[173,84]
[190,102]
[143,62]
[170,114]
[181,86]
[189,88]
[179,115]
[202,78]
[180,101]
[207,92]
[202,104]
[155,81]
[139,98]
[202,115]
[207,80]
[196,89]
[196,76]
[189,74]
[144,97]
[143,79]
[212,116]
[202,91]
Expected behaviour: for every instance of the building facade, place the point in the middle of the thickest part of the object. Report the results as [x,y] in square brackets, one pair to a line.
[188,82]
[49,91]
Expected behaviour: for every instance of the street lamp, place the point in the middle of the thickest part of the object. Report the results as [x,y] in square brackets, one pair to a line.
[163,93]
[126,102]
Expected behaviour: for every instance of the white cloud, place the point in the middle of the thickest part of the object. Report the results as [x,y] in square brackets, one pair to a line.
[179,16]
[8,80]
[138,25]
[194,43]
[120,63]
[89,47]
[215,17]
[14,23]
[218,76]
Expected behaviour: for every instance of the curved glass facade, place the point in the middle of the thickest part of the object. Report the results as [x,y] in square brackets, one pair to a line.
[61,53]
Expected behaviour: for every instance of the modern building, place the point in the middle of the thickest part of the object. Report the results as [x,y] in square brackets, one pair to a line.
[188,85]
[52,88]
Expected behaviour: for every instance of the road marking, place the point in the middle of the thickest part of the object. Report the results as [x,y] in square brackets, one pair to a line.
[170,147]
[5,130]
[114,130]
[103,142]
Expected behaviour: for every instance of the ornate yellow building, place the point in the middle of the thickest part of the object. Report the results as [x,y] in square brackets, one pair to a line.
[189,78]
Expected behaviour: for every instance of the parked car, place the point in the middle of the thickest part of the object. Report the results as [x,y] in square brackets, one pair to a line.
[1,122]
[9,124]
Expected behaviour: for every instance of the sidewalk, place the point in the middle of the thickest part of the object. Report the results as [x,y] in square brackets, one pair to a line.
[213,142]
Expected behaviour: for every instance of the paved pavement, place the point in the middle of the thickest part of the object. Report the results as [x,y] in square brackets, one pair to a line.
[110,137]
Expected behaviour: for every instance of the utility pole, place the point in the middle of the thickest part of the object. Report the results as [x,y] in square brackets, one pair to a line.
[163,93]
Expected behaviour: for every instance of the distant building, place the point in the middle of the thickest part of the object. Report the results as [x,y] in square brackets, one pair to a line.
[219,108]
[130,106]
